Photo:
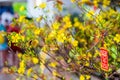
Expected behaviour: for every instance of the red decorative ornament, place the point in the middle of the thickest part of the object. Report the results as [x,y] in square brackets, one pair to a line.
[104,59]
[94,8]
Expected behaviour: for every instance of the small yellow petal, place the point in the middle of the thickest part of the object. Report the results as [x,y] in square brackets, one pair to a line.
[53,64]
[22,8]
[43,5]
[82,77]
[35,60]
[87,77]
[19,55]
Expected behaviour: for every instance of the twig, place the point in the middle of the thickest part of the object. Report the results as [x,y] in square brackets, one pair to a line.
[111,74]
[97,42]
[11,50]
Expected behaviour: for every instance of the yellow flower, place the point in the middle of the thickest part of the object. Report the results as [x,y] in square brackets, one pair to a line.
[22,64]
[61,37]
[55,73]
[15,38]
[66,19]
[29,71]
[95,2]
[90,14]
[75,43]
[19,55]
[43,5]
[56,25]
[87,77]
[68,24]
[72,1]
[61,31]
[37,31]
[21,19]
[89,54]
[21,69]
[39,19]
[82,77]
[44,48]
[35,76]
[87,64]
[53,64]
[77,24]
[1,39]
[106,3]
[22,8]
[112,12]
[52,34]
[34,43]
[117,38]
[35,60]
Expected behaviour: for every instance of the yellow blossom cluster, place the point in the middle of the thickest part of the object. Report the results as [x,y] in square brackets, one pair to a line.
[17,37]
[21,69]
[117,38]
[35,60]
[67,22]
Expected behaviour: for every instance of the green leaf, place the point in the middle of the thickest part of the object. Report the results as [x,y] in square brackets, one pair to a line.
[118,59]
[69,60]
[71,53]
[91,38]
[113,56]
[114,49]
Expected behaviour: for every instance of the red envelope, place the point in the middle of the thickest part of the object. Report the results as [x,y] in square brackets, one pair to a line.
[104,59]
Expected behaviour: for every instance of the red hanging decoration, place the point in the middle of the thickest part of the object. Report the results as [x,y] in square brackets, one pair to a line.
[94,8]
[104,59]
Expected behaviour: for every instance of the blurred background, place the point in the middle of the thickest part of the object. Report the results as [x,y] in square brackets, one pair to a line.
[13,8]
[10,5]
[10,9]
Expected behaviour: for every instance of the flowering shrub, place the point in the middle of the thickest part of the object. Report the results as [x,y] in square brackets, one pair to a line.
[70,44]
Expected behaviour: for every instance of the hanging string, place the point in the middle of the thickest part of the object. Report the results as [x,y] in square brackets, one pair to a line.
[102,36]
